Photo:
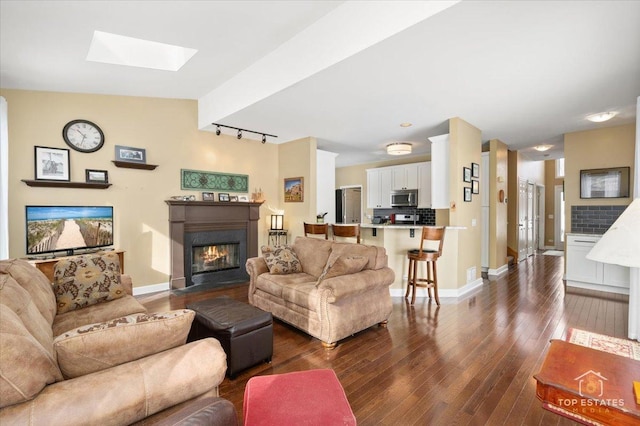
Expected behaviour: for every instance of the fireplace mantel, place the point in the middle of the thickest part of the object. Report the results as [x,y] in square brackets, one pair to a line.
[195,216]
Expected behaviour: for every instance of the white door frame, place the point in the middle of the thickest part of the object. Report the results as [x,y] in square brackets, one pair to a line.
[540,216]
[558,235]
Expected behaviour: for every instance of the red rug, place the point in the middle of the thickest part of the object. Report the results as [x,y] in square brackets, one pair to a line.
[601,342]
[313,397]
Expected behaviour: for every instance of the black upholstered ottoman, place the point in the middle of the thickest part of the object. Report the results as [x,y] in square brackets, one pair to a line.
[244,331]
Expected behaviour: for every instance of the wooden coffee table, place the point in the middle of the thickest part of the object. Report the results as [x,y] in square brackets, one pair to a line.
[588,385]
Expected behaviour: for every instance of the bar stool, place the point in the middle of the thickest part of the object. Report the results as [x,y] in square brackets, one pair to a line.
[346,231]
[434,235]
[316,229]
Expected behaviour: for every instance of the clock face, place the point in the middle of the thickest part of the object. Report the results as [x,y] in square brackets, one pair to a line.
[83,136]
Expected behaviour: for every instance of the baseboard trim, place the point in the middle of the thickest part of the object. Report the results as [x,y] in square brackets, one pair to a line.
[443,292]
[497,272]
[153,288]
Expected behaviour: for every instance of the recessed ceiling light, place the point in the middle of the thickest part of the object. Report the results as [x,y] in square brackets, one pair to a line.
[122,50]
[602,116]
[399,148]
[542,147]
[405,124]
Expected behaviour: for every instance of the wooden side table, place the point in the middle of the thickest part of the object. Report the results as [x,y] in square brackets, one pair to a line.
[278,236]
[588,385]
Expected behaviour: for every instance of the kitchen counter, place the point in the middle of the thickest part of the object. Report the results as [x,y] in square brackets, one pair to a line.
[401,226]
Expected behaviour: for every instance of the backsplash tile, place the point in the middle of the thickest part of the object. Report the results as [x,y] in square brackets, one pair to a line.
[594,219]
[427,216]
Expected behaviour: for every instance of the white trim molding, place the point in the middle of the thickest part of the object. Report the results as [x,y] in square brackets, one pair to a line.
[493,273]
[442,292]
[153,288]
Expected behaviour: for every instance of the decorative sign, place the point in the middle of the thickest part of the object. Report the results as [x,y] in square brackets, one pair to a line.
[209,181]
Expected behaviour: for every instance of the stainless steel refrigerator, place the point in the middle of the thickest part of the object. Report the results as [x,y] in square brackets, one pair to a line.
[348,205]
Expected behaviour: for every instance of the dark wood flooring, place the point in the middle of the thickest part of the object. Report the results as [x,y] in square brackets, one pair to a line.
[470,361]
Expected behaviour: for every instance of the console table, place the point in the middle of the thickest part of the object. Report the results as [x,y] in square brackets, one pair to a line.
[47,265]
[588,385]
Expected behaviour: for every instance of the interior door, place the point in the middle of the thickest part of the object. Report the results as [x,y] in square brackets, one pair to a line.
[530,219]
[522,220]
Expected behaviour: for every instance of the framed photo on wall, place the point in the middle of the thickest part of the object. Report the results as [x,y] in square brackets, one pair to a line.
[130,154]
[467,193]
[294,190]
[97,176]
[52,163]
[475,187]
[475,170]
[466,174]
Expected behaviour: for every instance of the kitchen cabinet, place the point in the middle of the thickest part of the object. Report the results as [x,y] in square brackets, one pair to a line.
[584,273]
[424,185]
[379,188]
[440,172]
[405,176]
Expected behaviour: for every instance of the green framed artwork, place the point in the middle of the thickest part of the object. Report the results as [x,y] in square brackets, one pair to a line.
[210,181]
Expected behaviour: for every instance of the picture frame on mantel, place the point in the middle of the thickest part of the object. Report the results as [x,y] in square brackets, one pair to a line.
[294,190]
[52,163]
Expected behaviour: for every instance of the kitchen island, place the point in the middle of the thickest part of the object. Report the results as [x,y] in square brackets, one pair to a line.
[398,239]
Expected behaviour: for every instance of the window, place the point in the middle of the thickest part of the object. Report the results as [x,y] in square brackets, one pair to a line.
[559,168]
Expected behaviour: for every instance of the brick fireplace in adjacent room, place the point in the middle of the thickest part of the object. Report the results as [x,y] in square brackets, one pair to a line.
[211,241]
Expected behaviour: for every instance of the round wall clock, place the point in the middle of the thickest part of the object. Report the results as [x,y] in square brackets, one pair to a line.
[83,136]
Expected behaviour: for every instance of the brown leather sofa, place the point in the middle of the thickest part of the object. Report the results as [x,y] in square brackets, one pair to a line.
[328,289]
[110,363]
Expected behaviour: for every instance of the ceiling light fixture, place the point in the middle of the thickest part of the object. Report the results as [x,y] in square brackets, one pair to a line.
[406,124]
[602,116]
[542,147]
[239,134]
[399,148]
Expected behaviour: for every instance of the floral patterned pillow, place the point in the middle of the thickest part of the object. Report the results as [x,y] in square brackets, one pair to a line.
[86,280]
[281,260]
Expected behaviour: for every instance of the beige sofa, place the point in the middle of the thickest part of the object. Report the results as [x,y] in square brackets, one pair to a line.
[330,290]
[109,363]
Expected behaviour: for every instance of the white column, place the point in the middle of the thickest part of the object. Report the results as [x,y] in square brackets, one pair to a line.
[633,331]
[4,180]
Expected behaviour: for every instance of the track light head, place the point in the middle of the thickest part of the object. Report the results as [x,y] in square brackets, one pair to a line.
[239,134]
[264,138]
[218,131]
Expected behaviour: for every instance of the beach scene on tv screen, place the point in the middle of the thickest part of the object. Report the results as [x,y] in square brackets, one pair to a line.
[64,228]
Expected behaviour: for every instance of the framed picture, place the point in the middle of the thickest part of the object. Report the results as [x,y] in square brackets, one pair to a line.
[294,190]
[208,196]
[243,198]
[475,187]
[132,155]
[467,193]
[233,198]
[52,163]
[466,174]
[223,196]
[475,170]
[97,176]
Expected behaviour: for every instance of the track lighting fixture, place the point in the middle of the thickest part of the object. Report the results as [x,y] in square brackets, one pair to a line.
[239,134]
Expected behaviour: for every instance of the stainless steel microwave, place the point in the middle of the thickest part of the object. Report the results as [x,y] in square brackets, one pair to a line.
[404,198]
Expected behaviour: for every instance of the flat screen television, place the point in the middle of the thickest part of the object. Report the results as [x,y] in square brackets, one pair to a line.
[68,228]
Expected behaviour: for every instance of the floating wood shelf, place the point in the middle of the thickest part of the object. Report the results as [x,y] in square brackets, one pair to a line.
[64,184]
[130,165]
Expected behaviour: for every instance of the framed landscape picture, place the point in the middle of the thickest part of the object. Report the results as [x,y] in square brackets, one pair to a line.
[294,190]
[130,154]
[52,163]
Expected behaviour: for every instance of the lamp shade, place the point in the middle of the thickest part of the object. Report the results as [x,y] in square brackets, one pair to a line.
[399,148]
[620,245]
[277,221]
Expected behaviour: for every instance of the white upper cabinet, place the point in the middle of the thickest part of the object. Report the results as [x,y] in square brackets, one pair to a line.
[405,176]
[440,172]
[424,185]
[379,188]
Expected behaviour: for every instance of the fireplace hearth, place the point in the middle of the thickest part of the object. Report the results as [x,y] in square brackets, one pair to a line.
[211,241]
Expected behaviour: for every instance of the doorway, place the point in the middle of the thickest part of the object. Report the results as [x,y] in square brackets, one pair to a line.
[559,217]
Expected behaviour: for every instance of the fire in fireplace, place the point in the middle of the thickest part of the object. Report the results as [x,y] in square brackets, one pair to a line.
[215,257]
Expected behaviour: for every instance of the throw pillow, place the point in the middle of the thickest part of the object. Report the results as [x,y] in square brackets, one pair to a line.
[281,260]
[95,347]
[342,264]
[81,281]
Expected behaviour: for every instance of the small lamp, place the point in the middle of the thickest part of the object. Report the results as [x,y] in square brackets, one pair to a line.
[277,221]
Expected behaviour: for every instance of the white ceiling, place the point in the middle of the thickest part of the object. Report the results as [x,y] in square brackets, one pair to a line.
[525,72]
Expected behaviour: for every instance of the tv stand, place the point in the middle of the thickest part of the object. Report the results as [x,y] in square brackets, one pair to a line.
[47,264]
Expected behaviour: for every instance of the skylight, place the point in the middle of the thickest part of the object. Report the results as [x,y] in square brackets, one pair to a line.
[134,52]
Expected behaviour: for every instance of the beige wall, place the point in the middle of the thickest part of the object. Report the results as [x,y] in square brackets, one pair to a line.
[550,183]
[498,180]
[595,149]
[166,128]
[465,148]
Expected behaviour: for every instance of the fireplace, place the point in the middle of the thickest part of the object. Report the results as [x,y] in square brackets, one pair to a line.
[211,241]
